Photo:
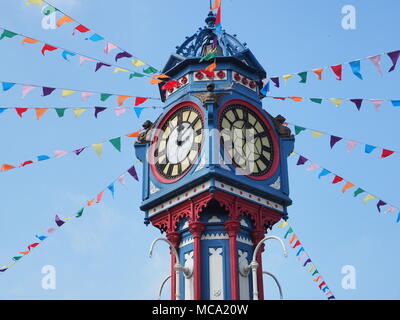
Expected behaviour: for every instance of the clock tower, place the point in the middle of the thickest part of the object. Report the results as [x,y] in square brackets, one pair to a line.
[215,175]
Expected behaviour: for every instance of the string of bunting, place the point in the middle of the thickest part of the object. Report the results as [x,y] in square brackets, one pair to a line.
[348,185]
[337,70]
[59,222]
[377,103]
[97,147]
[78,111]
[67,55]
[305,259]
[92,36]
[47,91]
[351,143]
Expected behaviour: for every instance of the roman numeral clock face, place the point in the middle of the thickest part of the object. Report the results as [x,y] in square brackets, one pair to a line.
[247,140]
[178,143]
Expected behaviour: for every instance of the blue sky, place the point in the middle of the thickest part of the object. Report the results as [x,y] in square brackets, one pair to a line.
[104,255]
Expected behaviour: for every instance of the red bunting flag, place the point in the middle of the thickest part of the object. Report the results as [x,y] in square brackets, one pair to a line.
[337,179]
[26,163]
[170,85]
[48,47]
[338,71]
[140,100]
[386,153]
[21,111]
[81,28]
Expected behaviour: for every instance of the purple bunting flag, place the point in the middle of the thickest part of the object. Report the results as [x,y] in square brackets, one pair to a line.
[380,204]
[334,140]
[101,64]
[47,91]
[394,56]
[301,161]
[133,173]
[97,110]
[122,55]
[59,222]
[357,102]
[275,81]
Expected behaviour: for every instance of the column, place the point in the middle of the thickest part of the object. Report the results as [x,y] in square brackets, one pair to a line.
[258,235]
[174,238]
[197,229]
[233,227]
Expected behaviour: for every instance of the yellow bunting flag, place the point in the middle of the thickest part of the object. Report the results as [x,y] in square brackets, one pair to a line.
[36,2]
[66,92]
[317,134]
[98,147]
[134,135]
[64,19]
[138,63]
[347,186]
[40,112]
[121,100]
[6,167]
[90,203]
[78,112]
[368,197]
[29,40]
[287,77]
[283,224]
[120,70]
[336,101]
[311,269]
[67,218]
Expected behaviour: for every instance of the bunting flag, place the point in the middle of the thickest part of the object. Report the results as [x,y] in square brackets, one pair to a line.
[67,54]
[337,70]
[92,36]
[60,111]
[61,221]
[66,92]
[351,144]
[367,196]
[97,147]
[305,258]
[376,103]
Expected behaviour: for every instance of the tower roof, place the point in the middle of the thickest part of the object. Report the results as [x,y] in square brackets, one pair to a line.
[205,40]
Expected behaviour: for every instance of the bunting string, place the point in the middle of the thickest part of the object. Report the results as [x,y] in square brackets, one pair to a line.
[61,221]
[47,91]
[358,102]
[351,143]
[78,111]
[337,70]
[349,185]
[92,35]
[97,147]
[294,242]
[68,55]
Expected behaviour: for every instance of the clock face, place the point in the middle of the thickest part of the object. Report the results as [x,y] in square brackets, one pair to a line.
[247,140]
[178,143]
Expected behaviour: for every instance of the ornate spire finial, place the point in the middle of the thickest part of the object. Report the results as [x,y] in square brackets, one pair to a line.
[210,20]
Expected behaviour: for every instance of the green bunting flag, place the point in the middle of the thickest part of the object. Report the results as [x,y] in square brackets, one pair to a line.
[116,143]
[105,96]
[358,192]
[303,76]
[297,129]
[316,100]
[209,56]
[79,213]
[137,75]
[150,70]
[7,34]
[60,112]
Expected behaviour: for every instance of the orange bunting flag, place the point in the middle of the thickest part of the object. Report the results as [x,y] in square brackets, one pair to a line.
[40,112]
[217,5]
[24,252]
[297,99]
[6,167]
[134,135]
[211,67]
[347,186]
[121,100]
[29,40]
[318,72]
[161,76]
[90,203]
[155,81]
[64,19]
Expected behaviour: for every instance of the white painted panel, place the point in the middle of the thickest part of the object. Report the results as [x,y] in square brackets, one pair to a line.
[216,274]
[243,277]
[189,285]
